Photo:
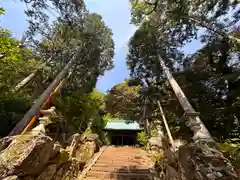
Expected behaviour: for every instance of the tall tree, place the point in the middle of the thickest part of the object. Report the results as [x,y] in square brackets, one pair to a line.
[202,81]
[187,16]
[75,31]
[122,101]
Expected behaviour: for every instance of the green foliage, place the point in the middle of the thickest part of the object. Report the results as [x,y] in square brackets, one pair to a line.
[208,78]
[108,117]
[74,30]
[183,17]
[15,64]
[153,132]
[142,138]
[87,34]
[157,157]
[9,50]
[231,150]
[122,101]
[80,108]
[12,109]
[1,11]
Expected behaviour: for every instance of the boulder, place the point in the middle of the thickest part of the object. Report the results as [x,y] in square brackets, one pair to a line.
[92,137]
[48,172]
[155,141]
[73,143]
[56,150]
[27,178]
[69,170]
[195,161]
[38,157]
[178,143]
[74,138]
[86,151]
[4,142]
[83,146]
[11,178]
[26,155]
[155,144]
[200,161]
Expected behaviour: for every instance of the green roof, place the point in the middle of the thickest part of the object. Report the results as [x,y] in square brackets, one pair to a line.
[123,125]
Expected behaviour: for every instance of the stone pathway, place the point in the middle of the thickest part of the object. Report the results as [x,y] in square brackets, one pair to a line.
[121,163]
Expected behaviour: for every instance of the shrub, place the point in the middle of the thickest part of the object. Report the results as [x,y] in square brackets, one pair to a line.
[231,149]
[142,138]
[157,157]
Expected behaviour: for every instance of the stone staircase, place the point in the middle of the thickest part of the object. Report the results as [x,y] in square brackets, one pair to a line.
[121,163]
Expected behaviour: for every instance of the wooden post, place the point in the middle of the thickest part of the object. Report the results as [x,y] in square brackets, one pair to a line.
[166,125]
[148,129]
[193,120]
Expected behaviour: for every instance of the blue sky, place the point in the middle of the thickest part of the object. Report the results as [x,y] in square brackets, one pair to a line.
[116,14]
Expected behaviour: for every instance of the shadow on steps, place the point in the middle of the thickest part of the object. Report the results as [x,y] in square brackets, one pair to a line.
[131,173]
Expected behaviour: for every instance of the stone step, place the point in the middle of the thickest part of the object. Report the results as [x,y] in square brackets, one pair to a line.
[141,166]
[130,149]
[122,159]
[119,176]
[121,170]
[123,162]
[123,178]
[123,152]
[120,154]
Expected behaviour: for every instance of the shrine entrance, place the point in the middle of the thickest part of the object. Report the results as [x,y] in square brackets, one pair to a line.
[122,132]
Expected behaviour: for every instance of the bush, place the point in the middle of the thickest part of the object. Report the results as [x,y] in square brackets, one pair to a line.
[157,157]
[231,150]
[154,132]
[142,138]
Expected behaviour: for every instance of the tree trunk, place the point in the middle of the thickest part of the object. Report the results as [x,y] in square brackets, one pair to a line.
[194,122]
[36,107]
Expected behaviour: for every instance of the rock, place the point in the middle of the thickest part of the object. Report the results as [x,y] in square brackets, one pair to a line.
[74,137]
[155,141]
[11,178]
[171,158]
[155,144]
[74,144]
[60,160]
[178,143]
[86,144]
[26,155]
[48,172]
[4,142]
[69,170]
[171,173]
[200,161]
[92,137]
[195,161]
[86,151]
[28,178]
[55,151]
